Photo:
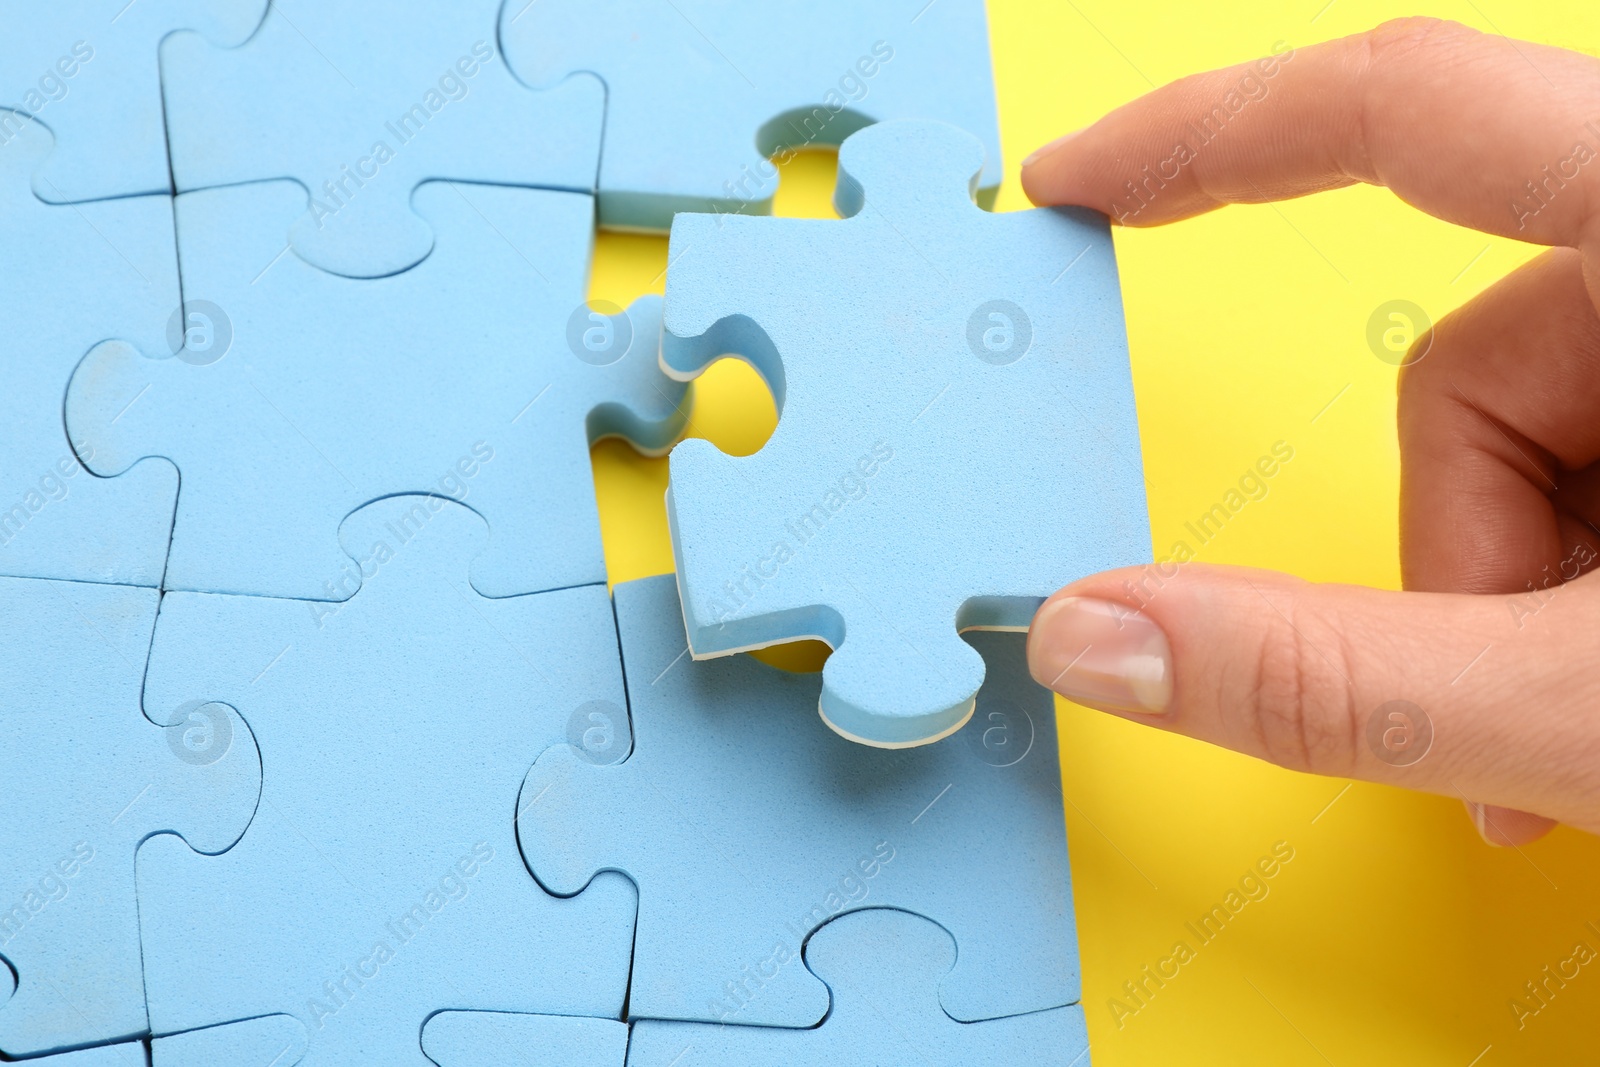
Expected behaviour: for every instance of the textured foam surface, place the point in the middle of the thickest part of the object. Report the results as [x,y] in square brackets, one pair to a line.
[506,1039]
[128,1054]
[265,1041]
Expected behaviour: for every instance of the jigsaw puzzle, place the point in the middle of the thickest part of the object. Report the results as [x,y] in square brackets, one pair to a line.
[380,880]
[882,968]
[82,274]
[746,80]
[506,1039]
[361,104]
[89,70]
[956,437]
[459,377]
[790,824]
[87,777]
[324,742]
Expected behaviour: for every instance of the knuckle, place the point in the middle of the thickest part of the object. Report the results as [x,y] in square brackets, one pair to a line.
[1301,704]
[1401,38]
[1379,54]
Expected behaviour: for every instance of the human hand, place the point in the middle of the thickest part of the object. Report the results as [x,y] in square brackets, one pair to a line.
[1499,427]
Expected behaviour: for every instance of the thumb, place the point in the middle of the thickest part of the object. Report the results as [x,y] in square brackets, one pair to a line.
[1486,698]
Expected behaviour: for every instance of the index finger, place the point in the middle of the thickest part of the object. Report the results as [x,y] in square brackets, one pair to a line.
[1499,135]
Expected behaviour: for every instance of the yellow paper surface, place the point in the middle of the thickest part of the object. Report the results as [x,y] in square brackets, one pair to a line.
[1393,935]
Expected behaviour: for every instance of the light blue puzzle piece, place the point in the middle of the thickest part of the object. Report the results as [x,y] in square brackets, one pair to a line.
[505,1039]
[128,1054]
[76,276]
[700,93]
[746,824]
[459,377]
[360,104]
[267,1041]
[957,436]
[90,70]
[380,881]
[882,968]
[86,778]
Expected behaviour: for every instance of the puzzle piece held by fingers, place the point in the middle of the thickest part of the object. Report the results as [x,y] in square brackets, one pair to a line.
[956,439]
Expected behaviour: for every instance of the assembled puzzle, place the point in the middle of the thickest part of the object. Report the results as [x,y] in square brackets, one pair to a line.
[325,738]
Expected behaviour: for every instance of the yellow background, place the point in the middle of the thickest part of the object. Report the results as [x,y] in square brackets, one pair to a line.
[1394,936]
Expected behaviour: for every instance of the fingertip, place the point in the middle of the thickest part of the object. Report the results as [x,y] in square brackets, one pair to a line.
[1041,171]
[1507,827]
[1101,654]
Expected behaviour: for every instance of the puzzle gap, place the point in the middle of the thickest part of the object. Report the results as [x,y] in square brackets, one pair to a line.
[805,184]
[801,129]
[730,405]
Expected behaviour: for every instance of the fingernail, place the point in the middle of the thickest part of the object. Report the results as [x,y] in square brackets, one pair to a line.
[1040,153]
[1103,654]
[1480,819]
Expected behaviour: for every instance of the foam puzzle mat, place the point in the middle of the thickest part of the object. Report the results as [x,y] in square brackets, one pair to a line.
[324,739]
